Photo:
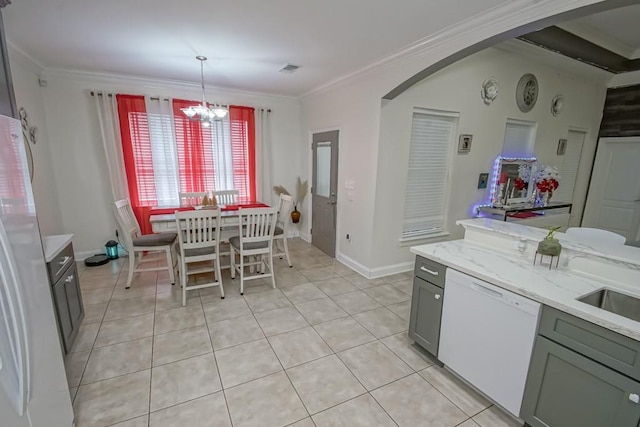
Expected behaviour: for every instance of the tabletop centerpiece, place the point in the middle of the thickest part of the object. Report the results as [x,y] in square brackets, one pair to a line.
[547,181]
[549,246]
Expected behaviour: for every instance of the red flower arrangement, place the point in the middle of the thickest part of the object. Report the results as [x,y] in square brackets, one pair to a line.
[547,185]
[519,184]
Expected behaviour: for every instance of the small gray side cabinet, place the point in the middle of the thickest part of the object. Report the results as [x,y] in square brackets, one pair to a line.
[426,304]
[565,388]
[67,297]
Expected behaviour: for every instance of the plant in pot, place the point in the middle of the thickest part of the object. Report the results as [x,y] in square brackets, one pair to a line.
[302,187]
[549,246]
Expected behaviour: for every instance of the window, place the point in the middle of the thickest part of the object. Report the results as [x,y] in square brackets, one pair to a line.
[519,138]
[568,169]
[166,153]
[432,135]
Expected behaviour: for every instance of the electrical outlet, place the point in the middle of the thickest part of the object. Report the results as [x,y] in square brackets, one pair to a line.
[483,178]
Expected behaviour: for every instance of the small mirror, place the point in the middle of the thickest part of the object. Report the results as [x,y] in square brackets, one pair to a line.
[512,181]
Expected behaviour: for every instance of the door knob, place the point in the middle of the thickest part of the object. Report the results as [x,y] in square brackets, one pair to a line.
[437,296]
[634,398]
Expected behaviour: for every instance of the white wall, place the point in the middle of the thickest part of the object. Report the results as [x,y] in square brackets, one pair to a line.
[29,96]
[353,105]
[457,89]
[77,156]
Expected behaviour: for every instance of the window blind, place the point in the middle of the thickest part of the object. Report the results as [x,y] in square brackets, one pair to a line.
[568,169]
[431,139]
[165,162]
[242,132]
[143,158]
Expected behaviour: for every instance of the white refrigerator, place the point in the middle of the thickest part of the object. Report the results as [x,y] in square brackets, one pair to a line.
[33,385]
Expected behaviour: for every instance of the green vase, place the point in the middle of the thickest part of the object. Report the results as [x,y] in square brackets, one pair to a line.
[551,247]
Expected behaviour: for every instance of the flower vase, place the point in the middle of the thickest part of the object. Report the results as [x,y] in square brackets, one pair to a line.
[545,198]
[295,215]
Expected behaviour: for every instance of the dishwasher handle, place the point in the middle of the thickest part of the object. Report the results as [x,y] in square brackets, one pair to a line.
[487,291]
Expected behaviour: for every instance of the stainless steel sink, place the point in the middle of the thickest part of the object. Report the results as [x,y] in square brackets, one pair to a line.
[615,302]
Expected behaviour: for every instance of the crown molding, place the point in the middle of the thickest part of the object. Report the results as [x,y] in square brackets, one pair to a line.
[501,20]
[598,37]
[95,77]
[33,62]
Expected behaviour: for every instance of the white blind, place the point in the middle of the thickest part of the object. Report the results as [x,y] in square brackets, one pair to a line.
[431,139]
[569,168]
[518,140]
[163,150]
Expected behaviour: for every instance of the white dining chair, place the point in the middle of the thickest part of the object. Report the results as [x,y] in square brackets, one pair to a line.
[136,243]
[191,198]
[282,226]
[256,227]
[595,235]
[199,242]
[227,197]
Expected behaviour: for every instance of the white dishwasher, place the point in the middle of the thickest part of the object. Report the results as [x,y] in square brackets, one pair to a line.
[487,336]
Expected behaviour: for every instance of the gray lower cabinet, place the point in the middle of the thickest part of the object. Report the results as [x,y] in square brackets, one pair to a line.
[426,312]
[568,387]
[67,297]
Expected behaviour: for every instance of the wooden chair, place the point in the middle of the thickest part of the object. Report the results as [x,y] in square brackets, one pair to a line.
[256,228]
[227,197]
[192,199]
[282,226]
[199,242]
[135,242]
[595,235]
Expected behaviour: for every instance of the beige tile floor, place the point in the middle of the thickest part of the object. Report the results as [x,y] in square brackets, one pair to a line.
[327,348]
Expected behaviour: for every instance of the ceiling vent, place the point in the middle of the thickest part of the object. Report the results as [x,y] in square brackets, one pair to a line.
[289,68]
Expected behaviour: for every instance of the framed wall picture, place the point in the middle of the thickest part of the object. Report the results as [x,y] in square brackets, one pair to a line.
[562,147]
[464,143]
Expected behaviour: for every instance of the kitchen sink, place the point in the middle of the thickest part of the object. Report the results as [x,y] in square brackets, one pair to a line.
[615,302]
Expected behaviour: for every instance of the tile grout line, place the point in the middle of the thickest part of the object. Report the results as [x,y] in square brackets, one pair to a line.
[284,370]
[215,359]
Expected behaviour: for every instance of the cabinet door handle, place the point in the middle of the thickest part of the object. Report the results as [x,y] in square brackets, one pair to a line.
[634,398]
[437,296]
[426,270]
[64,260]
[69,278]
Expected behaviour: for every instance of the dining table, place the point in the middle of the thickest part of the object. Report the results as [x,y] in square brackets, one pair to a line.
[164,219]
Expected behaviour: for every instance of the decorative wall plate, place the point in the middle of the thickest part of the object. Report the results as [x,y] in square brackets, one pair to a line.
[527,92]
[489,90]
[557,104]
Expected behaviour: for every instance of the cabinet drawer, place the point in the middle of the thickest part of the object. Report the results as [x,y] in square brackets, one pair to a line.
[600,344]
[430,271]
[60,263]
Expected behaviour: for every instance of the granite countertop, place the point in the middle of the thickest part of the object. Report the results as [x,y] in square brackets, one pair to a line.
[53,245]
[515,272]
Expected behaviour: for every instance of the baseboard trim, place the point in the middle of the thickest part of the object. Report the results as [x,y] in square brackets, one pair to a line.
[305,236]
[353,264]
[374,273]
[388,270]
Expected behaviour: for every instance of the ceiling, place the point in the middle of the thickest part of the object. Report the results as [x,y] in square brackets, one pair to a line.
[246,41]
[617,30]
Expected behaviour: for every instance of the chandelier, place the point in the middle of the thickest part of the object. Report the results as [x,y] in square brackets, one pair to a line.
[202,113]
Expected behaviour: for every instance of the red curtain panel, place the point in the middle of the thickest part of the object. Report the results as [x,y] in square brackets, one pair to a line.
[138,159]
[243,148]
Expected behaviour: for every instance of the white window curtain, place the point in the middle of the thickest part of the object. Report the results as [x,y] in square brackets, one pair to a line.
[432,136]
[163,150]
[263,156]
[107,111]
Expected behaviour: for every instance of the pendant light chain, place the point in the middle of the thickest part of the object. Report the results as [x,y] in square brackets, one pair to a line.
[202,113]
